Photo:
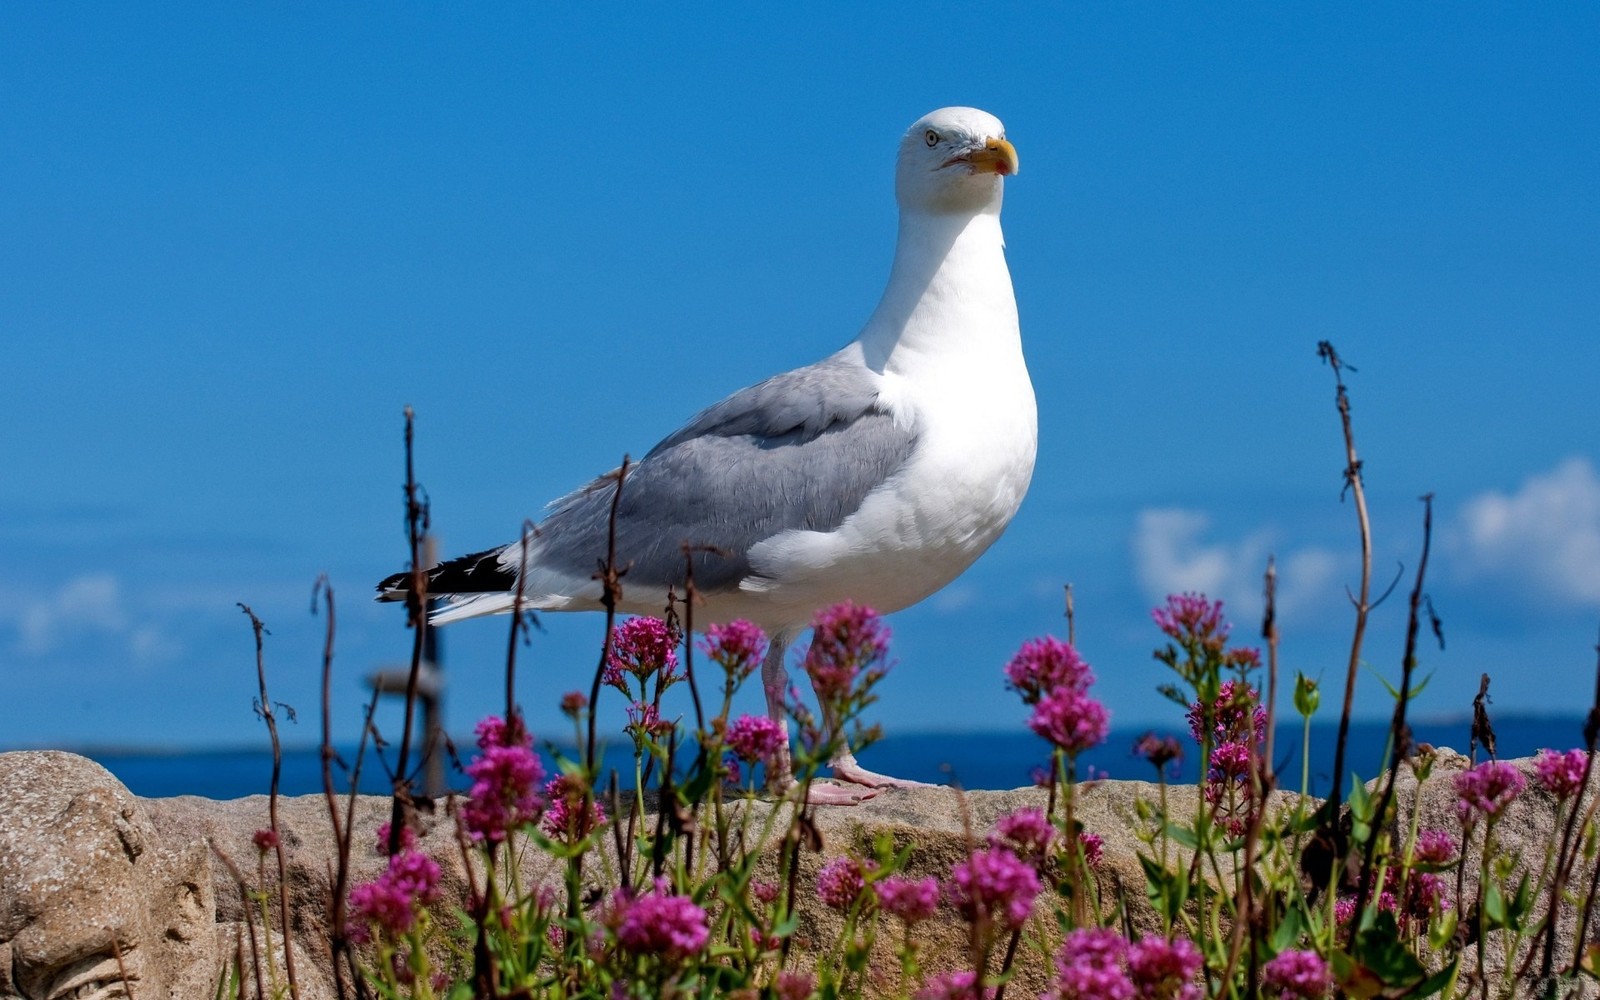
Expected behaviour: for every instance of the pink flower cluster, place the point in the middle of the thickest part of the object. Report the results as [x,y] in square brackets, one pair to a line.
[1297,975]
[993,884]
[755,739]
[911,901]
[1236,716]
[1043,665]
[1099,964]
[389,903]
[505,777]
[1434,847]
[1192,616]
[1052,677]
[1071,720]
[1026,832]
[564,819]
[408,838]
[664,924]
[960,985]
[841,882]
[738,647]
[640,646]
[1486,790]
[794,985]
[848,639]
[1561,773]
[1165,752]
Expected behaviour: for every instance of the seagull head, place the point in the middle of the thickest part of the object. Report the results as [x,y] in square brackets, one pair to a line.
[953,160]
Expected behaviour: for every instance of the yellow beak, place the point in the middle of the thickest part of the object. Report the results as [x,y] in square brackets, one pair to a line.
[996,157]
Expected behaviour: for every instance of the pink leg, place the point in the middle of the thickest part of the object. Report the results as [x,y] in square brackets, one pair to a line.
[780,774]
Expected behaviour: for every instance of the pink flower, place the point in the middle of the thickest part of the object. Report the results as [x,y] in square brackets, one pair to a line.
[1435,847]
[564,818]
[1191,617]
[573,703]
[641,646]
[794,985]
[1042,665]
[389,902]
[756,738]
[959,985]
[1025,831]
[1229,762]
[408,838]
[1161,751]
[911,901]
[1561,773]
[1090,966]
[265,840]
[1094,848]
[737,646]
[1486,790]
[644,720]
[841,882]
[1071,720]
[506,774]
[662,923]
[1344,910]
[993,884]
[1165,970]
[1297,975]
[848,640]
[1236,716]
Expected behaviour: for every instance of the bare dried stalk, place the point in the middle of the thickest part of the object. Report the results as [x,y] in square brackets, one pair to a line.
[417,617]
[249,922]
[1362,600]
[1398,731]
[271,719]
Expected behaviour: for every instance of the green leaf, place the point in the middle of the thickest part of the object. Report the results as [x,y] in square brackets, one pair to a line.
[1439,981]
[1182,834]
[1378,947]
[1494,907]
[1288,930]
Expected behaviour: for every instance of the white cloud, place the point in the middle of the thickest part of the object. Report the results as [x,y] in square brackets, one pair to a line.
[89,605]
[1172,555]
[1545,536]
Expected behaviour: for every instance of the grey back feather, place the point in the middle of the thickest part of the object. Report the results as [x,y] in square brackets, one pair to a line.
[798,451]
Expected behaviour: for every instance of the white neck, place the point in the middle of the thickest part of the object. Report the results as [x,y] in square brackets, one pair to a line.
[949,294]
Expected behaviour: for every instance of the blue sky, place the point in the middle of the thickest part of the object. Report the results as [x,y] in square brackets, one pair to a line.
[235,242]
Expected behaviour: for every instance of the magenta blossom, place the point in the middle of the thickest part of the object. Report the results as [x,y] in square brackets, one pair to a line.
[506,774]
[1094,848]
[1561,773]
[1025,831]
[794,985]
[848,640]
[738,647]
[955,985]
[389,903]
[663,924]
[993,884]
[265,840]
[911,901]
[1192,616]
[1297,975]
[1165,970]
[756,738]
[841,882]
[1486,790]
[1091,966]
[642,647]
[1236,716]
[1071,720]
[408,838]
[1042,665]
[1165,752]
[1435,847]
[564,819]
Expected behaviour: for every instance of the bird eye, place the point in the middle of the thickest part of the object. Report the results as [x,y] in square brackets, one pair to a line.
[932,137]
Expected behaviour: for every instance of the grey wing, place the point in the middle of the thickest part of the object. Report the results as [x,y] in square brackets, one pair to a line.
[798,451]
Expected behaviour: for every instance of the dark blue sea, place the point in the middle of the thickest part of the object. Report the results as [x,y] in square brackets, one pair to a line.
[974,760]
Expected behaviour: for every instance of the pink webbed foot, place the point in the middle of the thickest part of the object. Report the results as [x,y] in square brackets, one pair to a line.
[845,768]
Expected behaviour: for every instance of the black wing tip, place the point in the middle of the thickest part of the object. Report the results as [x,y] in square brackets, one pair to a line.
[477,573]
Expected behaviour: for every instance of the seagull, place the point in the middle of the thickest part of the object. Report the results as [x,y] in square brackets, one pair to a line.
[875,475]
